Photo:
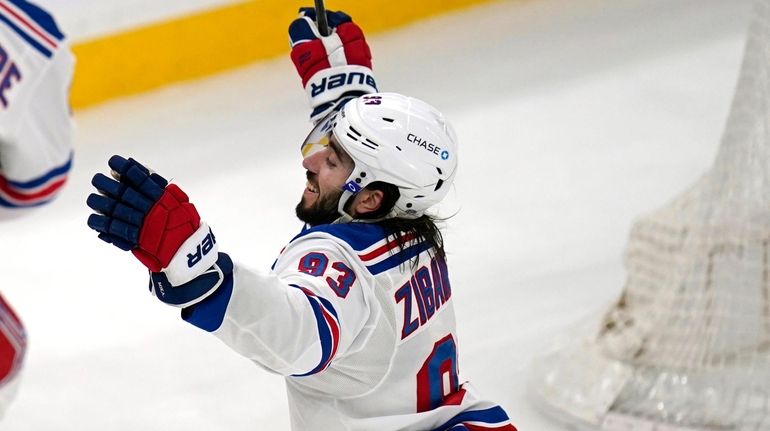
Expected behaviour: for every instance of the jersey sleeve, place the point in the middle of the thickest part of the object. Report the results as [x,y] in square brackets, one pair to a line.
[295,320]
[35,120]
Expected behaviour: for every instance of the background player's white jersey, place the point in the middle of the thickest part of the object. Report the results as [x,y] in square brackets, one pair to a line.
[365,338]
[36,68]
[35,140]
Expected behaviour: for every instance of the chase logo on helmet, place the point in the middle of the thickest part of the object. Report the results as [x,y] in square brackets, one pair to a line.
[435,149]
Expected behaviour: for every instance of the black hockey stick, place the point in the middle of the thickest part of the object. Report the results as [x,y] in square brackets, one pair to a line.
[320,14]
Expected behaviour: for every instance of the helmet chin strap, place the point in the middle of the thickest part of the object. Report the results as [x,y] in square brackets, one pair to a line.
[349,190]
[347,194]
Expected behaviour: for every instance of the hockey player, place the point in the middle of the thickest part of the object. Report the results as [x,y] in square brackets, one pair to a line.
[36,68]
[357,311]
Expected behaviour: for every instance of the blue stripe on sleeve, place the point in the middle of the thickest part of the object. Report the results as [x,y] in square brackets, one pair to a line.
[40,16]
[329,307]
[324,333]
[7,204]
[63,169]
[43,50]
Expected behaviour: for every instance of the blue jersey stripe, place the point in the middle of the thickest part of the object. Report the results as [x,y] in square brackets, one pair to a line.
[359,235]
[40,16]
[8,204]
[43,50]
[39,181]
[328,305]
[324,332]
[399,258]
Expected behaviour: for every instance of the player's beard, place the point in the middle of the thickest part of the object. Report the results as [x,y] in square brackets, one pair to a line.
[323,210]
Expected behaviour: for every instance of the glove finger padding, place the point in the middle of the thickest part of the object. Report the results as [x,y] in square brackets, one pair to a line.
[141,212]
[138,177]
[311,54]
[112,207]
[111,230]
[333,66]
[121,192]
[305,28]
[117,242]
[122,230]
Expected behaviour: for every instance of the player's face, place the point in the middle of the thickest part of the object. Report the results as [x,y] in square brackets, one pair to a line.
[327,171]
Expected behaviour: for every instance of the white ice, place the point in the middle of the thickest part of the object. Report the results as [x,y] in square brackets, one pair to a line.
[575,117]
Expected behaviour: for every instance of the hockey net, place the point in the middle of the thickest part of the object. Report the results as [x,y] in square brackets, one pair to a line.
[687,345]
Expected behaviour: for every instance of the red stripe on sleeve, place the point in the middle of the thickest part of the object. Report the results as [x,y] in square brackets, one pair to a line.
[46,192]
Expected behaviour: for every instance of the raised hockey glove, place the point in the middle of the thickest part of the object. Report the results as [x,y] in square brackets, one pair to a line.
[138,210]
[334,66]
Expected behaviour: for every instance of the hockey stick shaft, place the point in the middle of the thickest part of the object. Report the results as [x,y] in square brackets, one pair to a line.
[320,13]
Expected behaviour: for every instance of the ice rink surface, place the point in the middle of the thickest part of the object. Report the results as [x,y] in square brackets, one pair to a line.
[575,117]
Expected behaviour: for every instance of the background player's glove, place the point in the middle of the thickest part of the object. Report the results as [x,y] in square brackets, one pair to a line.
[333,66]
[138,210]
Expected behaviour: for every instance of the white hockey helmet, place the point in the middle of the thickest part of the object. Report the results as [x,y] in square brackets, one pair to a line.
[394,139]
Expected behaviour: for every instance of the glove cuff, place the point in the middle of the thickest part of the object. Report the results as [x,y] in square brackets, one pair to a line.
[329,85]
[197,254]
[196,290]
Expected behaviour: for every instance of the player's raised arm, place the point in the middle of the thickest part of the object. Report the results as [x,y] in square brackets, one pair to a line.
[334,67]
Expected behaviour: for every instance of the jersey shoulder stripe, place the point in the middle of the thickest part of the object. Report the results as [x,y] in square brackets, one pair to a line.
[359,236]
[328,329]
[395,259]
[376,250]
[32,24]
[37,191]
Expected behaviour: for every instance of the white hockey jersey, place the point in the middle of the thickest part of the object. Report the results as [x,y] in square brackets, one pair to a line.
[365,338]
[36,68]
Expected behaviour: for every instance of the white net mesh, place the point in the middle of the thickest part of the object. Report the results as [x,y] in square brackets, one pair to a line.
[688,343]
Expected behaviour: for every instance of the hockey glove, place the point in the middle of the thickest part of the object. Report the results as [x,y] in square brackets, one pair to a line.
[140,211]
[334,66]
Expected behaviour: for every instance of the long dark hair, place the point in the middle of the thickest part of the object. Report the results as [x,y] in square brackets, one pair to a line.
[423,228]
